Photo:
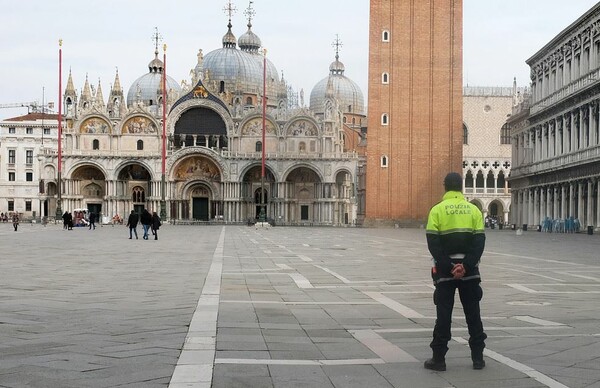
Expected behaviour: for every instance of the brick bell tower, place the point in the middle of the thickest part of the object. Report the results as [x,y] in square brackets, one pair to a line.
[415,107]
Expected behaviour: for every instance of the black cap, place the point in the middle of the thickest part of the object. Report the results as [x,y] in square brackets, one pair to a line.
[453,182]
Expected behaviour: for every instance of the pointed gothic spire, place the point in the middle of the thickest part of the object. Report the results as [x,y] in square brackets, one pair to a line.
[99,98]
[70,86]
[117,84]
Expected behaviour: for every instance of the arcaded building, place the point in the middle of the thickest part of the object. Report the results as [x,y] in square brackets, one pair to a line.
[556,145]
[112,142]
[415,134]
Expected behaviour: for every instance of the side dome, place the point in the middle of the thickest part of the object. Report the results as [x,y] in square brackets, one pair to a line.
[347,92]
[146,88]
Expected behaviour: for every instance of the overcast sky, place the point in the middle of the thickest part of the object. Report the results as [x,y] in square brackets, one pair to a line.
[100,36]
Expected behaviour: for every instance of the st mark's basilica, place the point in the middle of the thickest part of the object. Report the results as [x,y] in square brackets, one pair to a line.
[112,148]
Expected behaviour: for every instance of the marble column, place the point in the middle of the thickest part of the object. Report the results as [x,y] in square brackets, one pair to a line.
[589,217]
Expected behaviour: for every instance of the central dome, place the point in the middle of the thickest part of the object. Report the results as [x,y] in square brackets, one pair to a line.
[347,92]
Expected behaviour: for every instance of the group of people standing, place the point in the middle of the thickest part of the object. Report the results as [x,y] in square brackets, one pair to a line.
[149,221]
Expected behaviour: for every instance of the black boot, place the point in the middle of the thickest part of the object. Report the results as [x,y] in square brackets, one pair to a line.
[438,364]
[478,361]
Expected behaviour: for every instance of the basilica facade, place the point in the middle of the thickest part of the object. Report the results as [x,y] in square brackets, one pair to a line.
[112,148]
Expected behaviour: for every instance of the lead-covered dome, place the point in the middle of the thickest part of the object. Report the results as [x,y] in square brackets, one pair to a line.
[347,92]
[147,88]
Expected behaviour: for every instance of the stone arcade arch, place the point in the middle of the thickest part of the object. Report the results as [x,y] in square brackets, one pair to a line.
[251,191]
[133,188]
[196,188]
[304,187]
[85,189]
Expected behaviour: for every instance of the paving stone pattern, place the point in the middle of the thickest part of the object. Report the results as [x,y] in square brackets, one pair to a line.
[235,306]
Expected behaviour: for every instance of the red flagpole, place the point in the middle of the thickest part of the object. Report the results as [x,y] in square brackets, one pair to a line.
[59,195]
[264,110]
[163,203]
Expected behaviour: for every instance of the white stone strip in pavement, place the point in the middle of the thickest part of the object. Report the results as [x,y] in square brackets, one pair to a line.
[537,321]
[581,276]
[299,302]
[536,274]
[304,258]
[523,288]
[334,274]
[301,281]
[386,350]
[250,361]
[195,364]
[486,328]
[536,259]
[534,374]
[406,312]
[284,266]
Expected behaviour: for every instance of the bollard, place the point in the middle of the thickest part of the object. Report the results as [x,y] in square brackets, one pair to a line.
[524,227]
[590,229]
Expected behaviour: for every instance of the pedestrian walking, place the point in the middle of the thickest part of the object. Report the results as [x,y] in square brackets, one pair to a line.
[92,221]
[65,218]
[155,225]
[456,240]
[146,220]
[132,222]
[15,221]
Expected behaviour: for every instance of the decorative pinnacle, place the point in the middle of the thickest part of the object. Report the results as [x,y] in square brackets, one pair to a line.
[337,43]
[156,38]
[60,42]
[250,12]
[165,47]
[229,9]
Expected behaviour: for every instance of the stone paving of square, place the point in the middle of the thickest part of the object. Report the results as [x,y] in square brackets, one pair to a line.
[238,306]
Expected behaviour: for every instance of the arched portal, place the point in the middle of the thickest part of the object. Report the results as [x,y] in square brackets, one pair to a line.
[253,187]
[89,182]
[134,182]
[304,184]
[197,177]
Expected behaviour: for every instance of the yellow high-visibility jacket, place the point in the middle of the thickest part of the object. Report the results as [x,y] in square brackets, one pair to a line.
[455,234]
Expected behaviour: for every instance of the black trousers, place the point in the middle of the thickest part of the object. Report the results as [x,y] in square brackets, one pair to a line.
[470,293]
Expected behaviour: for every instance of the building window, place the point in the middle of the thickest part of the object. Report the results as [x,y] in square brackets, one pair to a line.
[11,176]
[465,135]
[385,36]
[138,194]
[505,134]
[29,131]
[11,130]
[29,156]
[222,87]
[344,119]
[385,78]
[258,146]
[29,176]
[96,144]
[27,206]
[384,119]
[249,101]
[12,156]
[140,145]
[11,206]
[46,131]
[384,161]
[302,147]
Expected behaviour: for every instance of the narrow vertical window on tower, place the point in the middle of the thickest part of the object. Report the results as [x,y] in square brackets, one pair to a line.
[384,119]
[385,78]
[385,36]
[384,161]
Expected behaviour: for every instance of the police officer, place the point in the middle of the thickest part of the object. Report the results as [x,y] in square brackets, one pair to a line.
[456,239]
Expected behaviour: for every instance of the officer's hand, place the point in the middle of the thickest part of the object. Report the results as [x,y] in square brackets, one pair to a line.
[458,271]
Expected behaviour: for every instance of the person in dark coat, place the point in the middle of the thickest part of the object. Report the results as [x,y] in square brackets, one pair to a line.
[70,221]
[132,222]
[92,220]
[15,221]
[155,225]
[65,218]
[146,221]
